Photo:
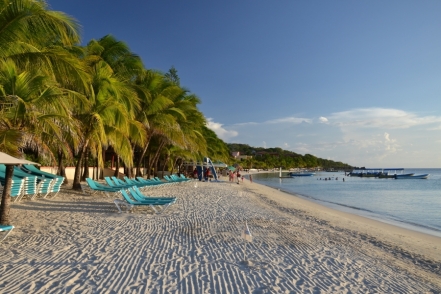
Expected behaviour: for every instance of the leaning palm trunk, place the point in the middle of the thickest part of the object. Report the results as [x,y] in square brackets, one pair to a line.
[116,167]
[140,159]
[156,157]
[101,175]
[153,161]
[61,169]
[150,167]
[77,181]
[165,164]
[129,172]
[5,206]
[86,166]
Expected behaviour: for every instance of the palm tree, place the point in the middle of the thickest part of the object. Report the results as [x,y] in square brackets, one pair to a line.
[33,61]
[112,101]
[157,112]
[32,35]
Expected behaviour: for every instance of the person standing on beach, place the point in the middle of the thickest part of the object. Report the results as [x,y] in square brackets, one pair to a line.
[251,178]
[195,173]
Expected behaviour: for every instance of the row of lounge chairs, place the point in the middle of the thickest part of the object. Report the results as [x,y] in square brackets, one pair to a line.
[129,190]
[28,181]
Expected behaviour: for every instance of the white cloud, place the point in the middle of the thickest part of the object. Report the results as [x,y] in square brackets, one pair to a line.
[323,119]
[381,118]
[294,120]
[364,137]
[284,120]
[220,131]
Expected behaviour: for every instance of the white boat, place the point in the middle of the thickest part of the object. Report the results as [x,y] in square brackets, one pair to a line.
[412,176]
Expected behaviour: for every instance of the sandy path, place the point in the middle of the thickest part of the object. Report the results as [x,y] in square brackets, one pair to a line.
[79,244]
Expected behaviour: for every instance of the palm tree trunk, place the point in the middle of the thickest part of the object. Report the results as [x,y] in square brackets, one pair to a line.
[77,181]
[165,164]
[151,161]
[5,206]
[101,175]
[156,157]
[173,165]
[141,157]
[97,175]
[116,167]
[86,166]
[149,168]
[154,160]
[61,169]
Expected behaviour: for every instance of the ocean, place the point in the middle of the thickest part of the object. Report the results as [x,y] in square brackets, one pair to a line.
[410,203]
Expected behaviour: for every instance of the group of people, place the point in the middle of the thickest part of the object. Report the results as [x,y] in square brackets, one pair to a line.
[326,179]
[232,176]
[206,174]
[236,176]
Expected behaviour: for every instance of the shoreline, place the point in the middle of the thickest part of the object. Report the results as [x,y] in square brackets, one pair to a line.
[79,243]
[351,210]
[404,237]
[363,213]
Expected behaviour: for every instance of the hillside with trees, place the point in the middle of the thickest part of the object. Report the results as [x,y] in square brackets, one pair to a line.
[277,157]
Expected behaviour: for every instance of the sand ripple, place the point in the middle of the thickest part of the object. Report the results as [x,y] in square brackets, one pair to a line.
[79,244]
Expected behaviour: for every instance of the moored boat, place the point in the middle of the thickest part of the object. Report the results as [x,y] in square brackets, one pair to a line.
[412,176]
[301,174]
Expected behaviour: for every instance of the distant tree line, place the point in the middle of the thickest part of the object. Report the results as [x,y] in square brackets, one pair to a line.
[263,158]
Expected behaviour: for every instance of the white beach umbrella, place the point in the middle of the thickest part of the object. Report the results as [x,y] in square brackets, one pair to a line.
[9,160]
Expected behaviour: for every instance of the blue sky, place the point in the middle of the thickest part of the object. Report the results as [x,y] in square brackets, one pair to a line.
[352,81]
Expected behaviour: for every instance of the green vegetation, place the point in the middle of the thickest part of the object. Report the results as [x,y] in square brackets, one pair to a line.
[69,104]
[62,103]
[276,157]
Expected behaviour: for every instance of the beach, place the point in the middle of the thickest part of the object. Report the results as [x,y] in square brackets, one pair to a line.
[78,243]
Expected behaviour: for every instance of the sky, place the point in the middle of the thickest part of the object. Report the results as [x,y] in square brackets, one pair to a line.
[351,81]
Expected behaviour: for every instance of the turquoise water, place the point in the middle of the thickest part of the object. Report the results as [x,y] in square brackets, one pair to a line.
[411,203]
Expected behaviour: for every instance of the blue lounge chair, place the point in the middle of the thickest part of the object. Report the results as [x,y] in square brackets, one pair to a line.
[114,184]
[171,181]
[137,195]
[16,186]
[179,179]
[151,203]
[185,178]
[136,183]
[6,229]
[150,183]
[30,188]
[97,187]
[128,182]
[57,181]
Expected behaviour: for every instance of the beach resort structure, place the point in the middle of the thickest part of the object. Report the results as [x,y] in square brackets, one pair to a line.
[236,155]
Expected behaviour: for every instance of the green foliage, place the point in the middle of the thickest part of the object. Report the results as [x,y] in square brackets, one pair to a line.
[277,157]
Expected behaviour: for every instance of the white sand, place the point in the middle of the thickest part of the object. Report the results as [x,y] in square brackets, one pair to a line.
[79,244]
